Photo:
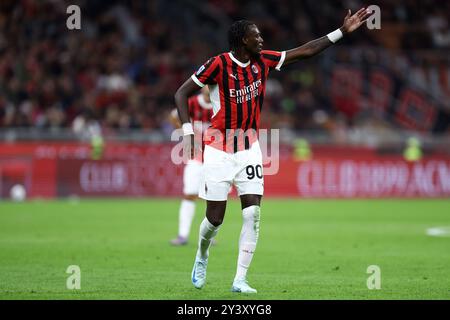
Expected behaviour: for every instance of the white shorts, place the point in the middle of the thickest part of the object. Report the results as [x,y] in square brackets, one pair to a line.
[192,177]
[221,170]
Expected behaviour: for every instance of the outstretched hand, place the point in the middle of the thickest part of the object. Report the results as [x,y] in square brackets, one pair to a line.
[353,22]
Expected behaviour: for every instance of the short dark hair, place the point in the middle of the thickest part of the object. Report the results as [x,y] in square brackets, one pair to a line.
[237,32]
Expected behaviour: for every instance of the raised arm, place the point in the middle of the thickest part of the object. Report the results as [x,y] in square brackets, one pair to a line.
[351,23]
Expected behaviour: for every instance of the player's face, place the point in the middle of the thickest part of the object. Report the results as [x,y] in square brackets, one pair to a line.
[253,40]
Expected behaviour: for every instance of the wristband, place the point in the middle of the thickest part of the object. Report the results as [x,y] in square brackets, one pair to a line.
[187,129]
[335,35]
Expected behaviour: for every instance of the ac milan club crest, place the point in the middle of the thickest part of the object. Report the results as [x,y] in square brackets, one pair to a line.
[254,69]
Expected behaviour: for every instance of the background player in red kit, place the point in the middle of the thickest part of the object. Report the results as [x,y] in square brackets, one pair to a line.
[237,82]
[200,112]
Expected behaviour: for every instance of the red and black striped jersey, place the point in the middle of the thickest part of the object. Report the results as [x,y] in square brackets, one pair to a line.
[200,113]
[237,93]
[199,109]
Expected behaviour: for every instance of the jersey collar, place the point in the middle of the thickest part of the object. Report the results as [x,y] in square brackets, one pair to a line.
[240,64]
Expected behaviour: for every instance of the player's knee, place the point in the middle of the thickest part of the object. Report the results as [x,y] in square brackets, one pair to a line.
[252,214]
[215,211]
[215,221]
[215,217]
[248,200]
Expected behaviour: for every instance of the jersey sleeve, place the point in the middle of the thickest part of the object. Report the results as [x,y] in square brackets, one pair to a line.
[273,59]
[207,73]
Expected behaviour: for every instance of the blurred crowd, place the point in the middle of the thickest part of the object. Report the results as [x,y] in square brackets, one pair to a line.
[121,70]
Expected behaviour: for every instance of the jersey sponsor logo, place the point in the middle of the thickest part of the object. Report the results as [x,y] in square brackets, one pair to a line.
[233,76]
[246,93]
[254,69]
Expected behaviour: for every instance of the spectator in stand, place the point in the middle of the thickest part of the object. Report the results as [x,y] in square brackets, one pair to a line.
[127,59]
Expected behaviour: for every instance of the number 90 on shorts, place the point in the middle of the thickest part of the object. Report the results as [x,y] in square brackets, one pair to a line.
[222,170]
[254,171]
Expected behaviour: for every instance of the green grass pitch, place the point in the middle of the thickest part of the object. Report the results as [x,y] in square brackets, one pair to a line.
[308,249]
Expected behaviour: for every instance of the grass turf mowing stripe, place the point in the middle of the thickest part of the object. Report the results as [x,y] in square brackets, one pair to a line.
[308,249]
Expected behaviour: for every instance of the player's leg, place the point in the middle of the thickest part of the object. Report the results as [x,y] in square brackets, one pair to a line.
[214,189]
[215,212]
[191,182]
[248,239]
[249,183]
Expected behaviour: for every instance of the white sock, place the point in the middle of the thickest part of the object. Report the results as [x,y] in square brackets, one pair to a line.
[248,240]
[186,214]
[207,232]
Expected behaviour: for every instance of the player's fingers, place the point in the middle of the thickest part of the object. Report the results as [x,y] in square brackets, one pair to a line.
[365,18]
[360,11]
[349,13]
[363,14]
[367,14]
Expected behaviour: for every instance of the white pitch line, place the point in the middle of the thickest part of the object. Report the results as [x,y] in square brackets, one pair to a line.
[438,232]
